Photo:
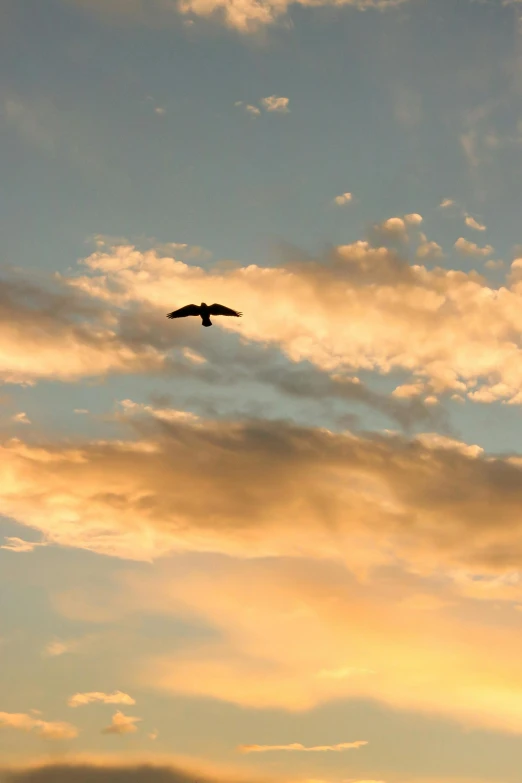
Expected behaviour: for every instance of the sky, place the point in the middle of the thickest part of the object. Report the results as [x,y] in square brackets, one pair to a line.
[286,549]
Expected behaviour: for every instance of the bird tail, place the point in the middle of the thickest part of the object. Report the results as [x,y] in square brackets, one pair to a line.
[207,322]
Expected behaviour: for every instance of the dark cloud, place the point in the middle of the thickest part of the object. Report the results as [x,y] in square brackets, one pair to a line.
[84,773]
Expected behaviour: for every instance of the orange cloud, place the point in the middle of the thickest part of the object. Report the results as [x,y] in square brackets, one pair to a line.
[444,327]
[302,748]
[117,697]
[51,730]
[121,724]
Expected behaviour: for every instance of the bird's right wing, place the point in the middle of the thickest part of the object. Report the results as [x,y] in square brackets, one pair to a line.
[219,309]
[190,309]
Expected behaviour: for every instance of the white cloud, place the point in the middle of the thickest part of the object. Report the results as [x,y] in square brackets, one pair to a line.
[276,103]
[472,223]
[413,219]
[468,248]
[47,729]
[446,203]
[117,697]
[121,724]
[296,746]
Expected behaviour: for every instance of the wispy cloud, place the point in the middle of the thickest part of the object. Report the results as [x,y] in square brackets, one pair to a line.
[14,544]
[472,223]
[117,697]
[446,203]
[51,730]
[302,748]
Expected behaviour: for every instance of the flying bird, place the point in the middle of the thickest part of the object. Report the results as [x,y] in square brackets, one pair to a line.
[205,311]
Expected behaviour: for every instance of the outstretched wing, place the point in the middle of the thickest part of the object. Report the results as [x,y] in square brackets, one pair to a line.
[217,309]
[190,309]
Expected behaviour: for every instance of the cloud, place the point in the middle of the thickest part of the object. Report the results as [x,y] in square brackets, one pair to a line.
[21,418]
[113,769]
[57,647]
[14,544]
[446,203]
[117,697]
[46,729]
[276,103]
[47,334]
[345,198]
[151,500]
[447,327]
[427,249]
[414,219]
[298,747]
[160,110]
[247,15]
[121,724]
[468,248]
[472,223]
[253,110]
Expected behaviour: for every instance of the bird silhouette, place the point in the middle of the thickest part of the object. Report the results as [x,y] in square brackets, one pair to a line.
[205,311]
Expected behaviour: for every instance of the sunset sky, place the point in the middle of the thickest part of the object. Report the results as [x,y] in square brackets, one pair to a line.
[287,549]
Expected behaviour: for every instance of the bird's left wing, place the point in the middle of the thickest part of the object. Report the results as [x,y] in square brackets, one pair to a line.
[219,309]
[190,309]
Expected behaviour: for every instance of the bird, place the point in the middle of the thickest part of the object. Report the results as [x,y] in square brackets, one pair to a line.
[205,311]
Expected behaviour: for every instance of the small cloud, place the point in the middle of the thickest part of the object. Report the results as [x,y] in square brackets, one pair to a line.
[276,103]
[471,249]
[57,648]
[81,410]
[117,697]
[160,110]
[47,729]
[428,249]
[153,735]
[446,203]
[253,110]
[121,724]
[14,544]
[413,219]
[492,264]
[21,418]
[345,198]
[296,746]
[472,223]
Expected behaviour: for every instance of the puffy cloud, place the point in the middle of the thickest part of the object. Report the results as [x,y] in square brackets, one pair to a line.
[468,248]
[80,699]
[121,724]
[276,103]
[444,326]
[472,223]
[427,249]
[47,729]
[345,198]
[297,746]
[414,219]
